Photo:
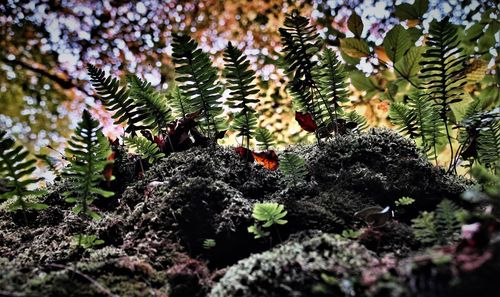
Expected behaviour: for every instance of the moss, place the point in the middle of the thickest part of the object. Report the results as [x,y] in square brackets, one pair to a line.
[293,268]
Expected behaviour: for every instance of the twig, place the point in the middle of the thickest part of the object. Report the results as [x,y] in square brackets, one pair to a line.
[91,280]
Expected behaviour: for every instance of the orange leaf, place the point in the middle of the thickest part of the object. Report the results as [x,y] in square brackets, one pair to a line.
[268,159]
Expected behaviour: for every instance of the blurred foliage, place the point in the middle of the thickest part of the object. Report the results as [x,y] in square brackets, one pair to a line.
[46,45]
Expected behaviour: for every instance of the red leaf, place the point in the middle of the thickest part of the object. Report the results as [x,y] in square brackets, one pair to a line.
[244,153]
[268,159]
[306,121]
[160,142]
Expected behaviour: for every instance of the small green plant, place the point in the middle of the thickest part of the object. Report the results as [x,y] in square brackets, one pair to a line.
[440,226]
[87,241]
[267,214]
[294,168]
[404,201]
[15,176]
[88,151]
[151,103]
[242,89]
[180,104]
[198,81]
[442,72]
[350,234]
[264,138]
[115,97]
[146,149]
[419,119]
[209,243]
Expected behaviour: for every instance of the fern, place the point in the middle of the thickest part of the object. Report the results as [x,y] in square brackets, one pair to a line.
[88,152]
[446,220]
[264,139]
[294,167]
[442,73]
[240,78]
[354,117]
[147,150]
[401,116]
[15,174]
[429,125]
[333,86]
[489,144]
[424,228]
[151,103]
[481,136]
[179,103]
[300,45]
[116,99]
[438,227]
[198,82]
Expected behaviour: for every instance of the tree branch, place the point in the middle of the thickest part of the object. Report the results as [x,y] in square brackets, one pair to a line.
[63,83]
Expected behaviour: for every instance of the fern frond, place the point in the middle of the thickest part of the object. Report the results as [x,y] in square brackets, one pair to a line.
[146,149]
[361,123]
[424,227]
[300,45]
[333,86]
[88,152]
[429,125]
[180,104]
[15,174]
[242,89]
[151,103]
[401,116]
[294,167]
[116,99]
[264,138]
[442,72]
[198,77]
[446,221]
[489,144]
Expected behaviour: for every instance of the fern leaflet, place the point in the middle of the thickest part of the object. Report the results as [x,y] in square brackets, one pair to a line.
[294,168]
[264,139]
[151,103]
[147,150]
[116,99]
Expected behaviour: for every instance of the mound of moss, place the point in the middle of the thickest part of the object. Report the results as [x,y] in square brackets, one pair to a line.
[208,193]
[294,268]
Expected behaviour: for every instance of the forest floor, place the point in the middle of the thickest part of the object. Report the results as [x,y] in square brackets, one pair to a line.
[155,227]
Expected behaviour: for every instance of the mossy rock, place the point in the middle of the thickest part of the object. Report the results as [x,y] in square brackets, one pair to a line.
[295,268]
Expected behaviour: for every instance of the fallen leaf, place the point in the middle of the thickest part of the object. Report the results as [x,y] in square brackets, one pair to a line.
[268,159]
[245,153]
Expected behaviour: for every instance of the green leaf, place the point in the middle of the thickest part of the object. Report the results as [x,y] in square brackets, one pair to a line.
[355,47]
[409,66]
[361,82]
[413,11]
[396,43]
[355,24]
